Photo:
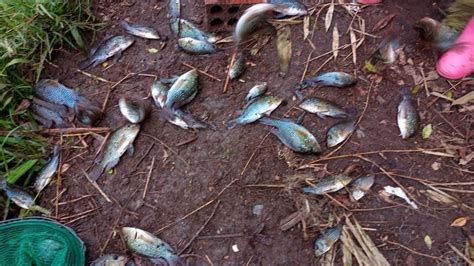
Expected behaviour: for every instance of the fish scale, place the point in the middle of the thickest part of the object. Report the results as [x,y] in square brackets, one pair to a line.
[55,92]
[183,90]
[324,243]
[255,109]
[322,108]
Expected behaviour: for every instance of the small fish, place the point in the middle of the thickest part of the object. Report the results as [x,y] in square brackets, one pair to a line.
[22,198]
[46,173]
[329,184]
[87,114]
[158,93]
[174,9]
[133,111]
[442,36]
[119,142]
[340,132]
[170,80]
[334,79]
[407,117]
[238,67]
[255,110]
[323,108]
[388,49]
[183,90]
[185,29]
[140,30]
[327,239]
[289,8]
[194,46]
[146,244]
[186,120]
[294,136]
[246,23]
[111,260]
[111,47]
[62,110]
[257,90]
[361,186]
[52,91]
[49,115]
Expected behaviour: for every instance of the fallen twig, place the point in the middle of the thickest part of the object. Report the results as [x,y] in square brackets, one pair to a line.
[227,78]
[148,177]
[93,76]
[201,71]
[413,251]
[96,186]
[220,236]
[460,254]
[72,130]
[75,200]
[166,146]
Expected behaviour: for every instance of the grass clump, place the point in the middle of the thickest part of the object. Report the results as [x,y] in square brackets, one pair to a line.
[30,31]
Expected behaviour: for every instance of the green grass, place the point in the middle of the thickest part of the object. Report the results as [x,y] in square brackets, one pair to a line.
[30,31]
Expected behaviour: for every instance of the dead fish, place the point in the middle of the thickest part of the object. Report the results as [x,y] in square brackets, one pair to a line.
[361,186]
[327,239]
[340,132]
[186,120]
[255,110]
[194,46]
[119,142]
[174,9]
[87,114]
[388,49]
[49,115]
[21,198]
[440,35]
[146,244]
[111,47]
[185,29]
[257,90]
[140,31]
[323,108]
[158,93]
[246,23]
[329,184]
[294,136]
[46,173]
[334,79]
[407,117]
[289,8]
[53,91]
[112,260]
[183,90]
[133,111]
[238,67]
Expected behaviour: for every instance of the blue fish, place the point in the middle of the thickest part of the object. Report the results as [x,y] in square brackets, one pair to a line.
[333,79]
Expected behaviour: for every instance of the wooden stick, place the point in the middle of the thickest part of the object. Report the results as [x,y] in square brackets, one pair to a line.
[96,186]
[413,251]
[201,228]
[148,177]
[220,236]
[227,78]
[202,72]
[72,130]
[93,76]
[166,146]
[460,254]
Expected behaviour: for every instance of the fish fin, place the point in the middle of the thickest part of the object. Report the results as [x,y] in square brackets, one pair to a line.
[97,62]
[299,95]
[320,115]
[117,56]
[300,118]
[167,113]
[231,124]
[130,150]
[111,164]
[85,64]
[96,172]
[124,24]
[309,190]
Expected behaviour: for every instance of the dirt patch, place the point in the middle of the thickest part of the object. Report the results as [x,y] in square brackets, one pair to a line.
[216,158]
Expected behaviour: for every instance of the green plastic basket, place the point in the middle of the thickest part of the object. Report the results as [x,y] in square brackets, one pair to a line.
[39,241]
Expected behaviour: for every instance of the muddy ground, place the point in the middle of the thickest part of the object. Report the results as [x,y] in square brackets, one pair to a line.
[216,158]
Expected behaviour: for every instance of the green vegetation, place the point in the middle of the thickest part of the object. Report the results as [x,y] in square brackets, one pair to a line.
[30,30]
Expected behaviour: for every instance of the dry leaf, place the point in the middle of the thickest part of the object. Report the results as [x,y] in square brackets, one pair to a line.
[64,168]
[152,50]
[328,20]
[436,166]
[428,241]
[335,41]
[353,45]
[383,22]
[464,99]
[459,222]
[284,48]
[410,261]
[306,27]
[466,159]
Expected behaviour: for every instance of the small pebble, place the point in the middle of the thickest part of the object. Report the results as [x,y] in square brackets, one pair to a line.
[235,248]
[257,209]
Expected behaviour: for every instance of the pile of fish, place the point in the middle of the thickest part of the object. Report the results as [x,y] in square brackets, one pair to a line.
[54,104]
[144,244]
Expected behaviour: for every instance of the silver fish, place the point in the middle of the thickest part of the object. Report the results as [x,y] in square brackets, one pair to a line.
[140,31]
[255,110]
[340,132]
[329,184]
[21,198]
[407,117]
[49,115]
[111,260]
[185,29]
[334,79]
[257,90]
[238,67]
[187,120]
[111,47]
[46,173]
[183,90]
[322,108]
[361,186]
[133,111]
[194,46]
[146,244]
[327,239]
[246,23]
[174,9]
[119,142]
[294,136]
[289,8]
[158,93]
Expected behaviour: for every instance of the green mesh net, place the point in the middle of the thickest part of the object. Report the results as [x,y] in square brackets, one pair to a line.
[39,241]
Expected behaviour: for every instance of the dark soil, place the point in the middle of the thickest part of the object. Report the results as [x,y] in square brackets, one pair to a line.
[216,158]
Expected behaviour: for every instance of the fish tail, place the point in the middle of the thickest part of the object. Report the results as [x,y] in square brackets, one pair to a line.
[96,172]
[85,64]
[243,24]
[231,124]
[266,121]
[167,113]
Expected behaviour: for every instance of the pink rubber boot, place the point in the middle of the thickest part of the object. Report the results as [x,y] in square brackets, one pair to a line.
[458,61]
